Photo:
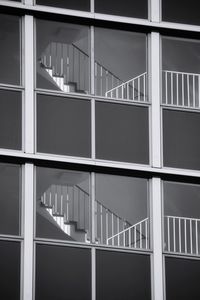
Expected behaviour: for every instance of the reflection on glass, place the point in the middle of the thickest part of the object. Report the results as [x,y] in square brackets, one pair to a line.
[70,4]
[181,218]
[10,270]
[122,276]
[10,194]
[120,65]
[122,132]
[63,126]
[182,278]
[10,49]
[10,120]
[181,11]
[181,72]
[62,273]
[128,8]
[63,205]
[62,57]
[121,216]
[181,144]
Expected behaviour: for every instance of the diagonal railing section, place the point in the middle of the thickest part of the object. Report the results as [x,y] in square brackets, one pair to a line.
[182,235]
[134,89]
[135,236]
[181,89]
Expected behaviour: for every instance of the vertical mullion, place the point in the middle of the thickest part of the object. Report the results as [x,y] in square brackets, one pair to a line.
[29,86]
[154,8]
[93,225]
[28,231]
[92,86]
[93,261]
[155,84]
[157,239]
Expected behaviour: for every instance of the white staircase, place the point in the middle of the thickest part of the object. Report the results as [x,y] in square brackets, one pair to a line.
[69,207]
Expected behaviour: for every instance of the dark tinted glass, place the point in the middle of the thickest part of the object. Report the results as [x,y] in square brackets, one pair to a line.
[128,8]
[62,57]
[63,205]
[70,4]
[122,132]
[181,143]
[10,270]
[10,120]
[120,64]
[121,211]
[122,276]
[181,70]
[181,11]
[63,126]
[182,278]
[10,199]
[62,273]
[9,49]
[181,217]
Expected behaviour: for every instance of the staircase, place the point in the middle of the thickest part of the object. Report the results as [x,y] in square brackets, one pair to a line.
[68,68]
[70,208]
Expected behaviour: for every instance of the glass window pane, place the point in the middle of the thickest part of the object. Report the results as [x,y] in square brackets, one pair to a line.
[63,205]
[122,276]
[10,270]
[70,4]
[181,144]
[10,199]
[128,8]
[120,64]
[181,11]
[62,57]
[10,120]
[182,278]
[181,72]
[121,206]
[63,273]
[181,217]
[10,49]
[63,126]
[122,132]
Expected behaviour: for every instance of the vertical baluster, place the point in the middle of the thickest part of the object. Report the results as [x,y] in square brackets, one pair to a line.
[191,246]
[188,90]
[172,96]
[168,233]
[166,88]
[140,236]
[135,233]
[198,91]
[129,234]
[179,229]
[107,226]
[101,223]
[112,227]
[124,239]
[101,80]
[177,91]
[174,233]
[197,242]
[183,95]
[139,89]
[193,90]
[106,80]
[118,237]
[185,227]
[144,82]
[146,233]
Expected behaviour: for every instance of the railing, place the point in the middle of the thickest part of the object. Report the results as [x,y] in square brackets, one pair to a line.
[182,235]
[107,222]
[181,89]
[133,89]
[135,236]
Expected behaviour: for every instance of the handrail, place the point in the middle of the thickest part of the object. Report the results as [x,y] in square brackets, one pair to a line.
[182,73]
[127,229]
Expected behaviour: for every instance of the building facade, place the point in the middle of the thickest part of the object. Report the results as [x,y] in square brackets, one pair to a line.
[99,150]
